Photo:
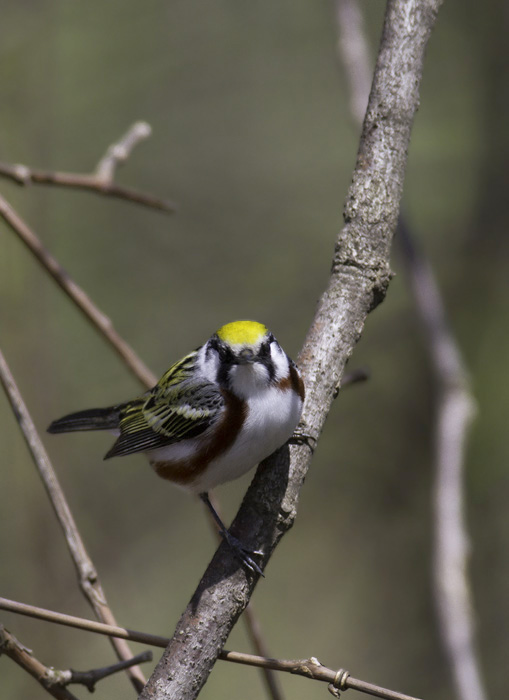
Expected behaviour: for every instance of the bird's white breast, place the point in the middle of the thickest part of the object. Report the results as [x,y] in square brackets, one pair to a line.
[271,418]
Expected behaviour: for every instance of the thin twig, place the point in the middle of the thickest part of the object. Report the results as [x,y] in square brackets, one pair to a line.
[309,668]
[23,175]
[55,680]
[356,376]
[94,675]
[12,647]
[87,574]
[260,646]
[99,182]
[120,151]
[101,322]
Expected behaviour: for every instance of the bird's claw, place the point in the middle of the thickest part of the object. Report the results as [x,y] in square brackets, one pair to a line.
[243,554]
[300,438]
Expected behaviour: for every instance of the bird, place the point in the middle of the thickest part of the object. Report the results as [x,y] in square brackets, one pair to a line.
[213,416]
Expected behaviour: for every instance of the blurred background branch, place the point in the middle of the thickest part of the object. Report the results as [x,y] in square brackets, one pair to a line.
[454,403]
[355,56]
[455,410]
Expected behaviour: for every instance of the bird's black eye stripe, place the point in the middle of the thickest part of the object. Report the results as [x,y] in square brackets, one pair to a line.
[265,358]
[226,360]
[225,353]
[223,375]
[264,350]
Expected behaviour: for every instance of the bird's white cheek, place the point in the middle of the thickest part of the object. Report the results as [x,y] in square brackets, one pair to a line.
[279,360]
[208,364]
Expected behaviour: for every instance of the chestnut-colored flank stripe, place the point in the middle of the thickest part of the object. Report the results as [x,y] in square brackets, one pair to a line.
[184,471]
[293,381]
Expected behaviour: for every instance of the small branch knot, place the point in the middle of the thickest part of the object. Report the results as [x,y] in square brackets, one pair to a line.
[22,174]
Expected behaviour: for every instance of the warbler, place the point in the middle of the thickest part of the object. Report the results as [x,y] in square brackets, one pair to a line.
[214,415]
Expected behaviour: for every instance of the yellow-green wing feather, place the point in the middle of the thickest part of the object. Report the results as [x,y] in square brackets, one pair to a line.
[177,408]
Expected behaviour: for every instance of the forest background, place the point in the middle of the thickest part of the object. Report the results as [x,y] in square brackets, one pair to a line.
[253,138]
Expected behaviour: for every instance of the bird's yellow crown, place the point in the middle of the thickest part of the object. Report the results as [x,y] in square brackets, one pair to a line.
[242,332]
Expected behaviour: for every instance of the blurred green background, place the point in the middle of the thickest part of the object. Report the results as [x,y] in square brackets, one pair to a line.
[252,137]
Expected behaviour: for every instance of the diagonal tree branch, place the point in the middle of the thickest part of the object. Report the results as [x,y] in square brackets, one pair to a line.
[359,279]
[87,574]
[99,320]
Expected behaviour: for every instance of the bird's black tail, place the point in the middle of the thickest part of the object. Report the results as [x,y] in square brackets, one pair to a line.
[91,419]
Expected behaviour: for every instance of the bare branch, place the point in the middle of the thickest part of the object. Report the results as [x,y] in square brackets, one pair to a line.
[87,574]
[101,181]
[455,411]
[16,651]
[309,668]
[359,279]
[257,639]
[23,175]
[54,680]
[94,675]
[101,322]
[108,629]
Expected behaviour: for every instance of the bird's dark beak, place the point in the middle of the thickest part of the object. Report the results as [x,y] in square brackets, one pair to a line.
[246,357]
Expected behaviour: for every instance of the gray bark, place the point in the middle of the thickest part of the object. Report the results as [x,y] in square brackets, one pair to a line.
[359,278]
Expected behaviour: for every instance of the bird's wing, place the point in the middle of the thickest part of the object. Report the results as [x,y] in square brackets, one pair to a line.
[177,408]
